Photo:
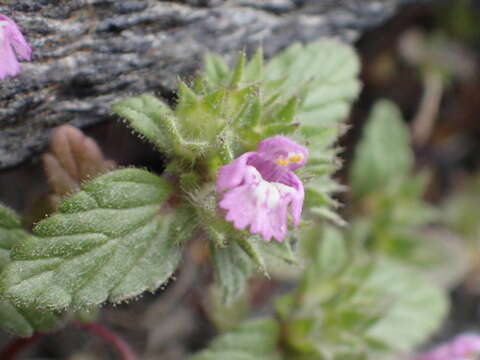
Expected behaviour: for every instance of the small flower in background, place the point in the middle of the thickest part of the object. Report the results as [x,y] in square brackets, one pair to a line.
[463,347]
[260,187]
[11,42]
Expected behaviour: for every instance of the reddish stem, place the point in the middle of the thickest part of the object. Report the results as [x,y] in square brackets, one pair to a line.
[16,346]
[122,348]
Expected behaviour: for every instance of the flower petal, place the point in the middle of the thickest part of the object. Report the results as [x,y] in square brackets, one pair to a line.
[280,146]
[232,175]
[297,201]
[16,38]
[462,347]
[260,204]
[9,65]
[260,188]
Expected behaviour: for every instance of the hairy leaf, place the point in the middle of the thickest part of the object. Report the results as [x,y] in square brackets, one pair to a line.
[383,157]
[111,241]
[151,118]
[417,307]
[328,71]
[233,268]
[284,250]
[17,320]
[10,233]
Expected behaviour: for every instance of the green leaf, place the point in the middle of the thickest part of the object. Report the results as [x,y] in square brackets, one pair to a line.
[19,321]
[254,68]
[146,114]
[460,212]
[251,246]
[217,70]
[417,307]
[332,254]
[10,233]
[351,301]
[111,241]
[328,214]
[250,114]
[276,129]
[238,72]
[24,322]
[233,268]
[285,114]
[226,316]
[186,97]
[329,68]
[252,340]
[383,158]
[282,250]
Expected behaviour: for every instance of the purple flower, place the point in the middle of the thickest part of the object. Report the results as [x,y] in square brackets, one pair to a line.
[463,347]
[259,187]
[11,42]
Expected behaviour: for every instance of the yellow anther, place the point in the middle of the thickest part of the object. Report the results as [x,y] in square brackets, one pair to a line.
[296,158]
[282,162]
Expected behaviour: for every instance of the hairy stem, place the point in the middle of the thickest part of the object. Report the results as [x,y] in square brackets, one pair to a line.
[16,346]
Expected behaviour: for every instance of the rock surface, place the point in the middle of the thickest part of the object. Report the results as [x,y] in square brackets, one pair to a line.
[86,53]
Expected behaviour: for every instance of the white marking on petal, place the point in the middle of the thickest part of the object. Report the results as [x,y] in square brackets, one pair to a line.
[269,194]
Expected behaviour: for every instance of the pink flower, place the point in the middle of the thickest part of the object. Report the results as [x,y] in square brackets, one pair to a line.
[259,187]
[11,42]
[463,347]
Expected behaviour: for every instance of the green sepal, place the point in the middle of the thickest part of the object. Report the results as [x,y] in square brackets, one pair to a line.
[285,250]
[285,113]
[250,114]
[216,70]
[186,97]
[250,244]
[254,68]
[237,74]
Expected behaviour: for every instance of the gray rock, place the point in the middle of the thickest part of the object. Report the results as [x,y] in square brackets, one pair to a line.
[87,53]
